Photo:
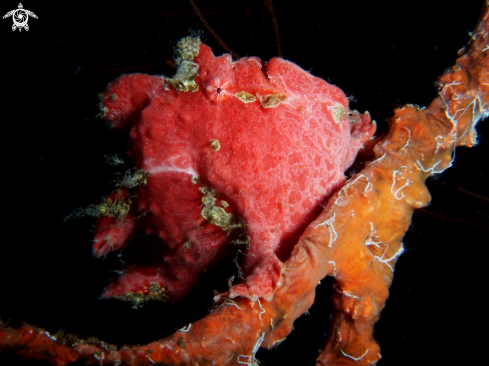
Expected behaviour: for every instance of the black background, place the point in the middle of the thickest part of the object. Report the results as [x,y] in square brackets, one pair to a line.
[384,53]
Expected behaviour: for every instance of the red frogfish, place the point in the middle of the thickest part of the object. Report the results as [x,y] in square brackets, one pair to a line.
[227,154]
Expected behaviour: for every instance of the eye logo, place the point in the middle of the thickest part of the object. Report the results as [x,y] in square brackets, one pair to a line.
[20,17]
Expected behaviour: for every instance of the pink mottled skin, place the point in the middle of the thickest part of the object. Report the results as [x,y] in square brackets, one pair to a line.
[275,167]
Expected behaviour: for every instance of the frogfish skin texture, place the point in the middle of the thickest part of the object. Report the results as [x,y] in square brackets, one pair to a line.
[234,154]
